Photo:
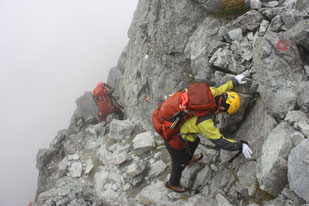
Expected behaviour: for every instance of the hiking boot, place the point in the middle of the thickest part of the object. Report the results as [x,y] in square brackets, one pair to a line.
[195,158]
[179,188]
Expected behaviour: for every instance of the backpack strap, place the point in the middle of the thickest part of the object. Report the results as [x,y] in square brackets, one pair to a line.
[186,141]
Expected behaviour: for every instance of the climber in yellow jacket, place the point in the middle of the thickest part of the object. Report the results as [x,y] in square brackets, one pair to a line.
[227,102]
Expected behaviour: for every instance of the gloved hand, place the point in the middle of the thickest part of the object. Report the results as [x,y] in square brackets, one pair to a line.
[245,149]
[239,78]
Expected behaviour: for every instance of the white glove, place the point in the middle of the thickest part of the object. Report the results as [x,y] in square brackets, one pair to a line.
[246,151]
[239,78]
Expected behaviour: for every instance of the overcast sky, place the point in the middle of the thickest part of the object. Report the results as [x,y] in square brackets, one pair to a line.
[51,52]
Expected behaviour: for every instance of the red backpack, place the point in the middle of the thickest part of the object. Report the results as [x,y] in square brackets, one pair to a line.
[104,102]
[171,115]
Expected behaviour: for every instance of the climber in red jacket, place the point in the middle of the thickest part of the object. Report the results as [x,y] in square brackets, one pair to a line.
[105,101]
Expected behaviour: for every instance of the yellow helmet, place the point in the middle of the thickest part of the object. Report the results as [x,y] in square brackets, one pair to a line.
[233,101]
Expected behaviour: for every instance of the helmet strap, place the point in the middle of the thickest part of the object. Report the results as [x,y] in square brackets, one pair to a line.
[219,103]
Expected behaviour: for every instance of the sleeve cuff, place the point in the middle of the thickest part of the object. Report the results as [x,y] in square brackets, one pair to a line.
[235,82]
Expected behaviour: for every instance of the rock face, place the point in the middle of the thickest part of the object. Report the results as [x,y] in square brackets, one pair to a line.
[298,165]
[272,165]
[171,43]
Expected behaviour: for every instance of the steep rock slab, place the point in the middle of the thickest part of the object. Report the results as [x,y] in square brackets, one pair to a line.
[279,72]
[86,106]
[298,169]
[115,77]
[272,165]
[202,44]
[155,63]
[256,127]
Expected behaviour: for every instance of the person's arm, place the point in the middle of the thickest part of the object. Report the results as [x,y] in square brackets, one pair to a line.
[208,128]
[110,89]
[213,134]
[219,89]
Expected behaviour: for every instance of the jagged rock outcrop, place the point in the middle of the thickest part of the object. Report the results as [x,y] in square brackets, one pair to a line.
[172,43]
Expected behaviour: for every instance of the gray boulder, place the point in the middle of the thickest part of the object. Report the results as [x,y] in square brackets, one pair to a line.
[300,34]
[119,129]
[246,174]
[250,21]
[76,169]
[157,168]
[275,65]
[154,194]
[255,4]
[225,60]
[297,138]
[235,34]
[298,169]
[276,24]
[270,4]
[296,116]
[272,165]
[270,13]
[144,142]
[303,128]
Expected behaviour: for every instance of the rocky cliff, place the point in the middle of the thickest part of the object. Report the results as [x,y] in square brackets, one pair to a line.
[173,42]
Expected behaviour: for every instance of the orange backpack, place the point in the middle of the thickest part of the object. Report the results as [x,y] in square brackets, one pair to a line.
[171,115]
[104,102]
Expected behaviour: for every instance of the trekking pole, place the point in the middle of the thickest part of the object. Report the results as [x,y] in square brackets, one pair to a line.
[224,165]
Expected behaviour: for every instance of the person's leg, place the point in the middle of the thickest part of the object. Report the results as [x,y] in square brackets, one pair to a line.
[193,146]
[178,158]
[119,113]
[101,117]
[190,156]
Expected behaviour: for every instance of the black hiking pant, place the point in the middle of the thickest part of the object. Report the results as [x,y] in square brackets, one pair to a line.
[179,160]
[119,113]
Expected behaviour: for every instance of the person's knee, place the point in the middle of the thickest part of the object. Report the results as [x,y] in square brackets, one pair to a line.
[180,166]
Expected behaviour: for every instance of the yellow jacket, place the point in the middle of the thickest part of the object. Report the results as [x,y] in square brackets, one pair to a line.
[206,125]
